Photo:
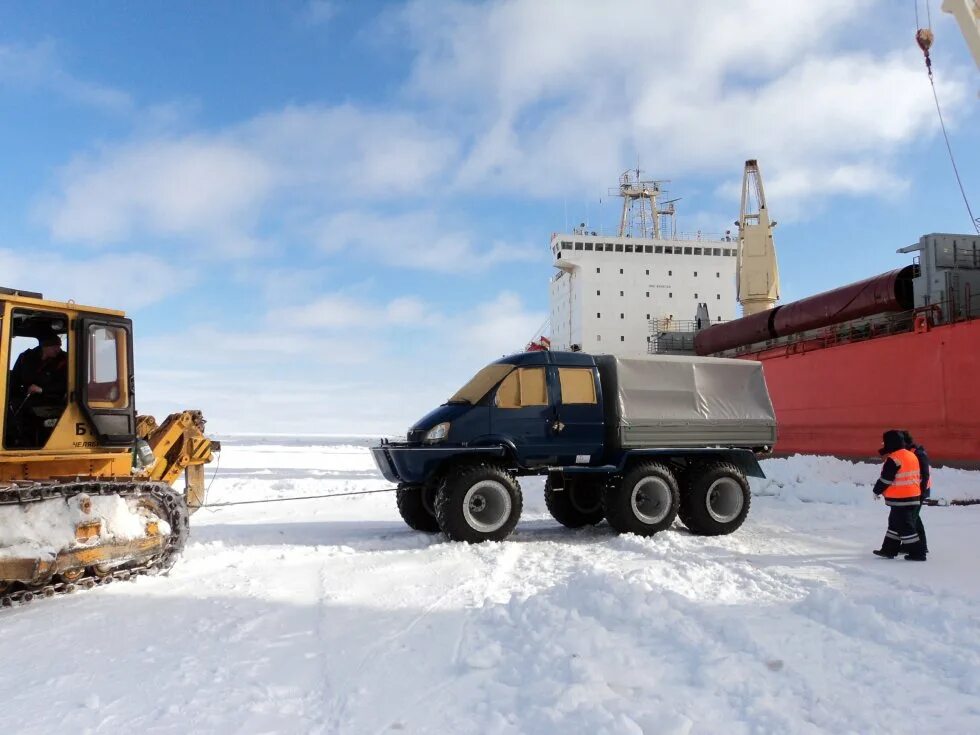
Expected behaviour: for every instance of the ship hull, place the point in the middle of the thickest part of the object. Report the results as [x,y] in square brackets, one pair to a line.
[839,399]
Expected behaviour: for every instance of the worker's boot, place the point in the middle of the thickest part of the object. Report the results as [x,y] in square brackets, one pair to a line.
[889,548]
[916,551]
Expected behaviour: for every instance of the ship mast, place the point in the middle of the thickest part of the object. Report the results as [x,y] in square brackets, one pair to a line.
[757,273]
[642,213]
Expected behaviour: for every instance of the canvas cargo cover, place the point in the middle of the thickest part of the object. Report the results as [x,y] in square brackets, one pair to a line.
[675,401]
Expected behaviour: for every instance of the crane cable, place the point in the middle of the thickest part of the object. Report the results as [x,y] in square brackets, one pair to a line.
[924,38]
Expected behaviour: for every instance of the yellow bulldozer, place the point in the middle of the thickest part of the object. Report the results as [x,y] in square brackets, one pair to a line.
[86,492]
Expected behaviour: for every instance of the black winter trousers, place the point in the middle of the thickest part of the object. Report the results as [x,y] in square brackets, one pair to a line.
[902,534]
[921,530]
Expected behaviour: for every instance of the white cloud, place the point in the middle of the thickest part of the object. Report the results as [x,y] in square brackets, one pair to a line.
[39,67]
[554,96]
[170,187]
[320,12]
[340,311]
[214,188]
[340,364]
[420,240]
[125,281]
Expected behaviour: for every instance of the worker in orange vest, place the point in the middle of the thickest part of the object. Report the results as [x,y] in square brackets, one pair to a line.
[925,482]
[900,483]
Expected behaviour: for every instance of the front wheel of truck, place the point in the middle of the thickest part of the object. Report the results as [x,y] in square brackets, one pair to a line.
[479,502]
[715,500]
[577,503]
[644,501]
[416,504]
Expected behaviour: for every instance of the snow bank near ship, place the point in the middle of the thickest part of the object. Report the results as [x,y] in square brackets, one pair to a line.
[809,479]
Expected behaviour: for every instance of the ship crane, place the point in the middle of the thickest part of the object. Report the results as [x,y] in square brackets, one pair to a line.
[757,273]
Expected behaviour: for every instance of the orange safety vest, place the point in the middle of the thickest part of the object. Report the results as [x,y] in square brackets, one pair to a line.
[907,483]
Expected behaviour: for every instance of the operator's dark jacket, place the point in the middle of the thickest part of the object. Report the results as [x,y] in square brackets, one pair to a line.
[51,376]
[920,454]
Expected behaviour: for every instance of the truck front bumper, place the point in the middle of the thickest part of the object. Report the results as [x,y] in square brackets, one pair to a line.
[413,464]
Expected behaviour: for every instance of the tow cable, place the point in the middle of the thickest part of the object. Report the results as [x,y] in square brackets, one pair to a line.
[298,497]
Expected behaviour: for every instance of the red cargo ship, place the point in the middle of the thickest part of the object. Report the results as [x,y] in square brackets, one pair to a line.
[901,350]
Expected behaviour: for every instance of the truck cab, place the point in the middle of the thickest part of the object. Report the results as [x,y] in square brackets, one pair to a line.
[544,407]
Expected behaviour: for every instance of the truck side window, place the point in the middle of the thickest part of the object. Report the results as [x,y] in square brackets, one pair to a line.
[577,385]
[523,387]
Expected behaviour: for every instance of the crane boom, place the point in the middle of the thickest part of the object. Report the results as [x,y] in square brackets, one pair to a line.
[967,14]
[757,272]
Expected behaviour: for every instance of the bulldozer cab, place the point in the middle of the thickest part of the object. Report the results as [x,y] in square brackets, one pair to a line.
[68,386]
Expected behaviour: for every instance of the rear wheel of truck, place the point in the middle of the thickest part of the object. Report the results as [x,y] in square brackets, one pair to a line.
[715,500]
[416,504]
[478,503]
[578,503]
[644,501]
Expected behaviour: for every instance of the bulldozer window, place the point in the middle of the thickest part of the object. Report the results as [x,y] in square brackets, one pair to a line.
[107,369]
[37,378]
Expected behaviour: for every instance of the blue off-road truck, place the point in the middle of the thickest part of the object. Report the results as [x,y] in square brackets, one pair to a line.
[634,441]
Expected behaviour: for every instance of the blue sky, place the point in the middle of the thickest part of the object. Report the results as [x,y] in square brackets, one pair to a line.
[323,216]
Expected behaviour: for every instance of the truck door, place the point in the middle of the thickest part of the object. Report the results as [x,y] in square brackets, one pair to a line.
[579,415]
[105,377]
[523,413]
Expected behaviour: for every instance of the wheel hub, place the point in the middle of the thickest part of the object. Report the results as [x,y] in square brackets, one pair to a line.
[724,500]
[487,506]
[651,500]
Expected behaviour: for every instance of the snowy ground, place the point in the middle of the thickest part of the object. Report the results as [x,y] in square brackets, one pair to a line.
[329,616]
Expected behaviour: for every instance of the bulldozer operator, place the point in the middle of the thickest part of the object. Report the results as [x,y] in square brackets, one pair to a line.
[38,392]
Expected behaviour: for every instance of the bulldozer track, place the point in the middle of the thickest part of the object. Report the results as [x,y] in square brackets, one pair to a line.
[166,499]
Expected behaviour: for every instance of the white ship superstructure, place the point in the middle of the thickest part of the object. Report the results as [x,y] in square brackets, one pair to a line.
[613,294]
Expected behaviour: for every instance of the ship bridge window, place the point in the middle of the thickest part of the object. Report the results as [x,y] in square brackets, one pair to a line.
[728,253]
[669,250]
[648,248]
[716,251]
[629,248]
[619,248]
[697,251]
[659,249]
[566,246]
[609,247]
[578,246]
[687,251]
[588,246]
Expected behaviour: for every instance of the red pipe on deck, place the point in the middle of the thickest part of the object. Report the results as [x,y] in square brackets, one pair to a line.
[888,292]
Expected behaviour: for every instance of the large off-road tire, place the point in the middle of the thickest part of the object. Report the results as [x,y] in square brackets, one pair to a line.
[416,503]
[715,499]
[478,502]
[644,501]
[578,503]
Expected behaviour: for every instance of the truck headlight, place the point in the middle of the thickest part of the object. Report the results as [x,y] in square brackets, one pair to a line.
[438,432]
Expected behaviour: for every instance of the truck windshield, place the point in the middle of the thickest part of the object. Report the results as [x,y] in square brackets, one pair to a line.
[480,383]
